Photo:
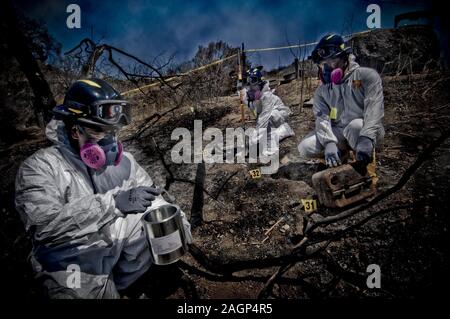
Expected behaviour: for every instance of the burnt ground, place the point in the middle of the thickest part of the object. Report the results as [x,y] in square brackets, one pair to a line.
[230,212]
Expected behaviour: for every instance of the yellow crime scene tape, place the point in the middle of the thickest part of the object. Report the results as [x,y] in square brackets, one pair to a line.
[228,58]
[281,48]
[301,45]
[180,75]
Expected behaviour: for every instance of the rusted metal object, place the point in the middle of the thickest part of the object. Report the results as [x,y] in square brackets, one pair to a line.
[343,185]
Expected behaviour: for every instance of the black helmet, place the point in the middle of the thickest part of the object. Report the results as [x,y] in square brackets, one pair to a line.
[96,104]
[254,75]
[330,46]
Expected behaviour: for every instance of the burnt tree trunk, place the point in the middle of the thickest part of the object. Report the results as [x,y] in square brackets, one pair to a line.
[87,71]
[198,200]
[17,46]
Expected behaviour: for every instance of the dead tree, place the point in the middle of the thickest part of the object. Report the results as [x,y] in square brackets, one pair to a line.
[313,245]
[43,97]
[95,51]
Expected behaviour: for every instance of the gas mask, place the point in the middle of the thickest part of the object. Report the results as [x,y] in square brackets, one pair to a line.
[329,72]
[254,92]
[100,153]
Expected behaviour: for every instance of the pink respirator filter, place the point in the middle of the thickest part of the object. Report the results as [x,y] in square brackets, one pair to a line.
[93,155]
[336,76]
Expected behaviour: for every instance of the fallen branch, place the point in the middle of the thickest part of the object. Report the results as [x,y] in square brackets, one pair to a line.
[287,265]
[301,247]
[196,217]
[273,226]
[224,183]
[423,156]
[234,266]
[326,221]
[230,278]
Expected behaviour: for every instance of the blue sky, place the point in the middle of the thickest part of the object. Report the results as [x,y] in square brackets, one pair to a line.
[148,28]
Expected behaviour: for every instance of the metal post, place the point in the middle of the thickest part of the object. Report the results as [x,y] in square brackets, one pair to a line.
[243,75]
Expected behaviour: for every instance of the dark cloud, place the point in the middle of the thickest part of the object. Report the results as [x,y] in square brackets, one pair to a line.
[147,28]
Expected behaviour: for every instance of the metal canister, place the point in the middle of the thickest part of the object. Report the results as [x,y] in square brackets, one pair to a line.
[165,234]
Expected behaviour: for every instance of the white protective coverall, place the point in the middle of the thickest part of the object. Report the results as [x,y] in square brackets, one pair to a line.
[346,111]
[271,114]
[71,216]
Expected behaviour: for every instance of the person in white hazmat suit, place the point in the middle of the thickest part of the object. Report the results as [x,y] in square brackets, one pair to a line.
[82,199]
[271,113]
[348,106]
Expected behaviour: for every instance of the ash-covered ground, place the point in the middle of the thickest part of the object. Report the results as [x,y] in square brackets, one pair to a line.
[232,258]
[406,233]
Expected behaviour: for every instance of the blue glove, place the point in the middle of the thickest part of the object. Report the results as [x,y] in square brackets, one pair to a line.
[364,150]
[332,155]
[136,200]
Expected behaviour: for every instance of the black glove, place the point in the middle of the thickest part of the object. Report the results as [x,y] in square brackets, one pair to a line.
[364,150]
[251,95]
[136,200]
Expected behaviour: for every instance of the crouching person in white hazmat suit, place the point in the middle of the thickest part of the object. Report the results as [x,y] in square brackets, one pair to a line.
[82,199]
[348,107]
[271,113]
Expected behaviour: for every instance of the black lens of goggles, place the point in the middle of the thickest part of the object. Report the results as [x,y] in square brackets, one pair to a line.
[327,51]
[253,80]
[112,112]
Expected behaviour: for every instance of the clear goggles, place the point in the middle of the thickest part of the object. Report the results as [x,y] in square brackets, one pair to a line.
[111,112]
[253,80]
[328,51]
[107,112]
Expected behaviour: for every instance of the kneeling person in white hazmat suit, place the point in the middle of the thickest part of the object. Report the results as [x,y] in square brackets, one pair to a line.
[271,113]
[348,106]
[82,199]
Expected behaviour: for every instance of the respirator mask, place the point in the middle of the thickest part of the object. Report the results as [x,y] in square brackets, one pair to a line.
[98,153]
[329,72]
[254,85]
